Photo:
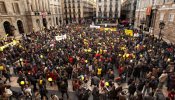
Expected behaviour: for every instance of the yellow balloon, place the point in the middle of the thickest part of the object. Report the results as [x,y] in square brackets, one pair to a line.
[169,60]
[141,55]
[22,82]
[106,83]
[50,79]
[82,78]
[89,50]
[85,50]
[1,49]
[101,51]
[127,55]
[1,68]
[21,59]
[41,56]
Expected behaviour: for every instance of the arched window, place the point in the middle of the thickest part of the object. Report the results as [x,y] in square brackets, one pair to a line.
[8,28]
[20,26]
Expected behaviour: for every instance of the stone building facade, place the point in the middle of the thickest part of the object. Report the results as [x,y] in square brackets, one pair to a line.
[108,10]
[166,13]
[150,13]
[23,16]
[128,9]
[75,11]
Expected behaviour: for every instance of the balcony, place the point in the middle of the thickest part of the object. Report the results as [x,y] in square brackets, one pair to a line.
[36,13]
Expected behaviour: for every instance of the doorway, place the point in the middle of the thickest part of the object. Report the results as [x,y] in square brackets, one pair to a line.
[8,28]
[20,26]
[45,22]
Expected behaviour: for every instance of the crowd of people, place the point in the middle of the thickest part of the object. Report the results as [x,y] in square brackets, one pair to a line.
[106,59]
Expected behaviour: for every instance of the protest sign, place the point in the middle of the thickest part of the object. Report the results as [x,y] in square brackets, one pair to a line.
[62,37]
[93,26]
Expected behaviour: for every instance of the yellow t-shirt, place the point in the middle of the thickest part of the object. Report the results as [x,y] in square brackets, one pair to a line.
[99,71]
[40,82]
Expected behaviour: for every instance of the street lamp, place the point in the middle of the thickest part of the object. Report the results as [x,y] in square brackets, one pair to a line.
[161,26]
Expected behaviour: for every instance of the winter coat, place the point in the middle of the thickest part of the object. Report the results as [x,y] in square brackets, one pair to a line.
[132,89]
[95,94]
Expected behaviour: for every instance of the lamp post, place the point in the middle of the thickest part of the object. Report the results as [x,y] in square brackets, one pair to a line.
[142,27]
[161,26]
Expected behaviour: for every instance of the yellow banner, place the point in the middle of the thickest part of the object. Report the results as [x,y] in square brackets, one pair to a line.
[129,32]
[108,29]
[7,45]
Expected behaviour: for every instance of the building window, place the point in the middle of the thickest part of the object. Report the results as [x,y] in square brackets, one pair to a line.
[74,11]
[105,9]
[16,8]
[59,11]
[68,1]
[171,17]
[65,6]
[110,9]
[161,16]
[2,8]
[99,14]
[105,14]
[56,10]
[99,9]
[69,5]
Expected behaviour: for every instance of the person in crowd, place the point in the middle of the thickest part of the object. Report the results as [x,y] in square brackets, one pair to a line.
[43,92]
[8,93]
[162,79]
[7,75]
[159,95]
[54,97]
[37,95]
[171,94]
[132,88]
[149,96]
[63,89]
[95,93]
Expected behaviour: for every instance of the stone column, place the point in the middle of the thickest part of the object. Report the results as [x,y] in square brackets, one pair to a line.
[40,5]
[28,5]
[25,4]
[34,5]
[44,7]
[49,6]
[37,5]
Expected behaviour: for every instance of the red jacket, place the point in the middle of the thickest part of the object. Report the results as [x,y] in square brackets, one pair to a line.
[171,95]
[71,60]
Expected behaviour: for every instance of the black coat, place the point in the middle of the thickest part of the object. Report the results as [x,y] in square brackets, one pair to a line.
[132,89]
[95,94]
